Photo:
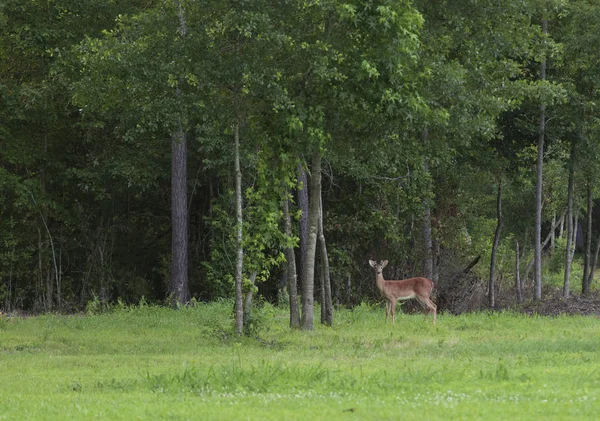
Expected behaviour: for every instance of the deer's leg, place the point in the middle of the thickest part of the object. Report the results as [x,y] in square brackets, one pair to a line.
[393,307]
[430,305]
[387,310]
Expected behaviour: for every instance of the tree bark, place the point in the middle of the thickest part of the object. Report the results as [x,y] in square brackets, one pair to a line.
[568,254]
[290,257]
[561,229]
[349,290]
[492,286]
[518,285]
[435,262]
[179,206]
[308,280]
[585,286]
[248,301]
[239,310]
[538,195]
[179,218]
[594,263]
[428,244]
[553,233]
[326,302]
[472,264]
[303,224]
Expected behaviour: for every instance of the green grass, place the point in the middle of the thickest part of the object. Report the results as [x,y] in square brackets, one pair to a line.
[155,363]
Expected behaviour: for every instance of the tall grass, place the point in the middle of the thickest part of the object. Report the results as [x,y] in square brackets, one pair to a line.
[148,362]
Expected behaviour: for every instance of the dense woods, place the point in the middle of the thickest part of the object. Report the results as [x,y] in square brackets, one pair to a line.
[182,150]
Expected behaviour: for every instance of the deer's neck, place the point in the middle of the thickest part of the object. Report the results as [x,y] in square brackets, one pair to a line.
[380,282]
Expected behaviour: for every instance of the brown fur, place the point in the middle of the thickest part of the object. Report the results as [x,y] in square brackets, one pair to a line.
[392,291]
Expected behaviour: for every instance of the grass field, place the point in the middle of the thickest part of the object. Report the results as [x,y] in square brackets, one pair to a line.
[155,363]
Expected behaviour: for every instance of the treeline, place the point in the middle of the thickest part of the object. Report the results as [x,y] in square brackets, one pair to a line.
[178,150]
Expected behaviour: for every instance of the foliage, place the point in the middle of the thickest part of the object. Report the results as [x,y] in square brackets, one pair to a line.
[411,105]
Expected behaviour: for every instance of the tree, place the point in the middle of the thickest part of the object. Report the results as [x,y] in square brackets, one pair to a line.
[538,195]
[492,284]
[326,299]
[306,322]
[581,73]
[291,268]
[179,200]
[44,224]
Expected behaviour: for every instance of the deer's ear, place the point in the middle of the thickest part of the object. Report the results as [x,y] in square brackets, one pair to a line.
[384,264]
[372,263]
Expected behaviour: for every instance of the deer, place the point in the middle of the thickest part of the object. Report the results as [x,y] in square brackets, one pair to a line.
[392,291]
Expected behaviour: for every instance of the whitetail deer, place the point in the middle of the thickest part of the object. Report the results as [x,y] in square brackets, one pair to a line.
[392,291]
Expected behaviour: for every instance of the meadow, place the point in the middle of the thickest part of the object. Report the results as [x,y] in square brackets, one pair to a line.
[147,362]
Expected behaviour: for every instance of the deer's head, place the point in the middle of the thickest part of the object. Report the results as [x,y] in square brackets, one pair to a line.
[378,266]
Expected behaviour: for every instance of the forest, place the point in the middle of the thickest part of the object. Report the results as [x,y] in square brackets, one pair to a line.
[184,151]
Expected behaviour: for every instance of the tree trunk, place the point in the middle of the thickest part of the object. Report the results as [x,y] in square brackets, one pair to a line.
[427,242]
[303,223]
[585,286]
[544,244]
[308,280]
[518,285]
[290,257]
[492,296]
[435,276]
[575,229]
[594,263]
[179,206]
[538,195]
[553,233]
[428,259]
[179,218]
[561,223]
[568,254]
[472,264]
[239,311]
[327,302]
[349,290]
[248,302]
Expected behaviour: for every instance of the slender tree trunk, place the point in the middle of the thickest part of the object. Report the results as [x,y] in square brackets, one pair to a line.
[322,290]
[179,218]
[561,230]
[492,286]
[51,241]
[544,244]
[308,280]
[538,196]
[428,244]
[435,276]
[179,204]
[348,291]
[575,229]
[290,256]
[303,223]
[247,319]
[47,285]
[327,302]
[585,286]
[518,285]
[568,255]
[594,263]
[239,311]
[428,259]
[553,233]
